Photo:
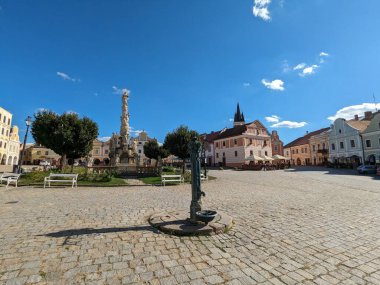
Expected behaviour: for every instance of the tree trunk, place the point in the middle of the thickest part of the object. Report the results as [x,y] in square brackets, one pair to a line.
[183,166]
[63,162]
[72,165]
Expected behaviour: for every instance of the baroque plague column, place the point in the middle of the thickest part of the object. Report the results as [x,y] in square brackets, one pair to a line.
[122,151]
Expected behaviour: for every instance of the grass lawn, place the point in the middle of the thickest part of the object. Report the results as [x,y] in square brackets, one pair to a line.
[37,179]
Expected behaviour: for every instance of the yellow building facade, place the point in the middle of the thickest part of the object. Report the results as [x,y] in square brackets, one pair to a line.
[9,139]
[34,154]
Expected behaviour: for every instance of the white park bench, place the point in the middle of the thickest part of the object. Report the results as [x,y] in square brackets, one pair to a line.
[9,178]
[63,178]
[176,178]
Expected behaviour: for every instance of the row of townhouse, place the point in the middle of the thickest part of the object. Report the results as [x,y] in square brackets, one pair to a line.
[9,139]
[351,142]
[233,147]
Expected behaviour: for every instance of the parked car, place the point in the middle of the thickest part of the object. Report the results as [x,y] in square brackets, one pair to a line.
[44,163]
[367,169]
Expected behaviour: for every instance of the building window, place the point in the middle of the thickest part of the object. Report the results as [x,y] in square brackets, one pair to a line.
[352,143]
[301,150]
[1,143]
[4,119]
[323,146]
[297,150]
[266,153]
[287,153]
[217,144]
[224,154]
[46,152]
[340,131]
[2,131]
[106,151]
[224,143]
[251,151]
[368,143]
[275,148]
[235,141]
[379,125]
[217,155]
[250,141]
[293,151]
[9,122]
[140,142]
[96,151]
[139,150]
[341,144]
[257,132]
[333,146]
[38,152]
[319,146]
[235,153]
[379,141]
[313,147]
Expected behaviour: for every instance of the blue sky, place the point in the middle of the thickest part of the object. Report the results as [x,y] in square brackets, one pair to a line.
[290,63]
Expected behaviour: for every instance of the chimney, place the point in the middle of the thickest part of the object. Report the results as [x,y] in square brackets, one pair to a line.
[367,115]
[356,117]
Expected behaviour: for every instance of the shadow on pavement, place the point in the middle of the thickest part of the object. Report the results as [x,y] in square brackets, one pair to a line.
[330,171]
[90,231]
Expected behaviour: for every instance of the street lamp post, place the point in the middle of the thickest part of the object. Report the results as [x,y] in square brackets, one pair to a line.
[28,122]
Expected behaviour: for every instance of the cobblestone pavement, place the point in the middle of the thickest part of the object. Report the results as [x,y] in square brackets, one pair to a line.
[291,227]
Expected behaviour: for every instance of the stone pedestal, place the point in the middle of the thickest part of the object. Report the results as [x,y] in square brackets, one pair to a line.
[178,223]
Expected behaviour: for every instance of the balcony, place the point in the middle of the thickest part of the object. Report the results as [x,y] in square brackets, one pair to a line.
[322,151]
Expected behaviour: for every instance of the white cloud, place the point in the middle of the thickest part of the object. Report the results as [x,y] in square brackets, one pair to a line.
[309,70]
[350,111]
[323,54]
[135,132]
[118,90]
[272,119]
[104,139]
[289,124]
[260,9]
[299,66]
[274,85]
[246,84]
[230,119]
[65,76]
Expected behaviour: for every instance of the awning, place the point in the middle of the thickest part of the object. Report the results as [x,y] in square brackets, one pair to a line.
[279,157]
[255,158]
[267,158]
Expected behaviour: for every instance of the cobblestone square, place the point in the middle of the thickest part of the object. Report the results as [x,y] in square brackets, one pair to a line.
[304,226]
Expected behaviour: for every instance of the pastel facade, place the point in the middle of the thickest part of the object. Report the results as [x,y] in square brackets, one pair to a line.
[346,146]
[209,145]
[140,141]
[277,144]
[371,140]
[298,151]
[35,153]
[100,152]
[319,148]
[233,146]
[9,139]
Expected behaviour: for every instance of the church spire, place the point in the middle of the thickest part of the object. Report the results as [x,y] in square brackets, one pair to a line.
[239,117]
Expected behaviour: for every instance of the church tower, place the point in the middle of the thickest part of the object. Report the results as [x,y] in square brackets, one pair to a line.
[239,117]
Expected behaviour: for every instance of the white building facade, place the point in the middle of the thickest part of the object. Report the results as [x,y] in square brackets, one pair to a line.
[345,140]
[371,140]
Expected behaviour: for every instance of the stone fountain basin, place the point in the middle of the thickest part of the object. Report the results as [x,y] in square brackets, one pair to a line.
[206,216]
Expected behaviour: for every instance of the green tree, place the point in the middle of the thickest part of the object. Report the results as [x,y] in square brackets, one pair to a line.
[66,134]
[177,143]
[153,151]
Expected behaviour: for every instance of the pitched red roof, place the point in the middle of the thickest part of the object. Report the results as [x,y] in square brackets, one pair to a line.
[305,139]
